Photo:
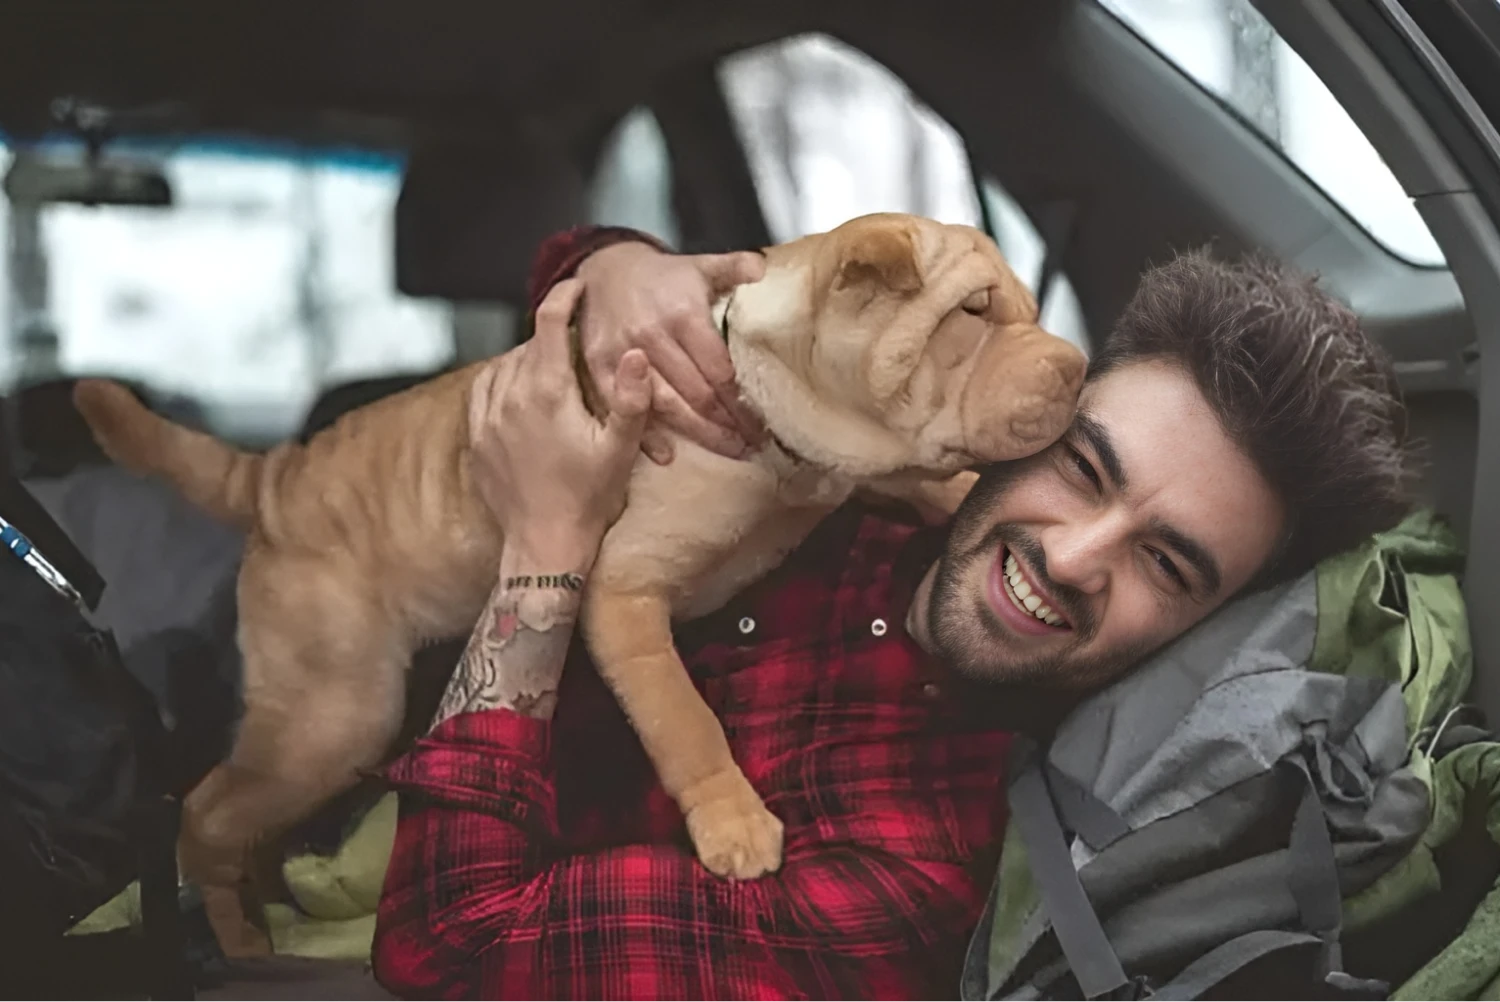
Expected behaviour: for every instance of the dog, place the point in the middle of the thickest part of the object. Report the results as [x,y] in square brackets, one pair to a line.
[890,354]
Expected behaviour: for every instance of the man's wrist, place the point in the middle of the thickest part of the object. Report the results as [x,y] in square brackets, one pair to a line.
[555,550]
[560,256]
[609,254]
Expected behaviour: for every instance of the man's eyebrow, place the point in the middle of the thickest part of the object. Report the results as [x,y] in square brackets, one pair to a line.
[1193,552]
[1097,438]
[1093,434]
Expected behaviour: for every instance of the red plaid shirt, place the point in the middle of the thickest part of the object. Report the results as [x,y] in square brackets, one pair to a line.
[537,860]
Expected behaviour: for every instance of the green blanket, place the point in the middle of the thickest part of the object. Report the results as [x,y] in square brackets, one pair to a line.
[332,916]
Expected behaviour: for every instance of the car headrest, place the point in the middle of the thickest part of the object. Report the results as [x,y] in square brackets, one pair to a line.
[48,437]
[340,400]
[471,215]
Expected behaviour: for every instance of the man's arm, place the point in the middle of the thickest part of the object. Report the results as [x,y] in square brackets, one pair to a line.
[477,802]
[481,901]
[515,655]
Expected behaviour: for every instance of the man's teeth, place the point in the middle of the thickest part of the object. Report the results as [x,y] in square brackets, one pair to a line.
[1019,590]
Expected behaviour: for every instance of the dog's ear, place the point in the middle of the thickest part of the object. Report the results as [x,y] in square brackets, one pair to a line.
[884,256]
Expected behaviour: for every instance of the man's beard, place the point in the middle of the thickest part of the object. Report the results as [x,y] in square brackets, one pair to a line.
[963,628]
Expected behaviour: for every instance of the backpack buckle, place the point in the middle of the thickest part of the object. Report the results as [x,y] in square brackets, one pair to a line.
[1134,990]
[1360,988]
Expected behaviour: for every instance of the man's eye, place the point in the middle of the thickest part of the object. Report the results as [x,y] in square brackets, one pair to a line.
[1084,467]
[1168,568]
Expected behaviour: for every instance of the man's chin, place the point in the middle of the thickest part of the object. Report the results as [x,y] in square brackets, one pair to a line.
[989,672]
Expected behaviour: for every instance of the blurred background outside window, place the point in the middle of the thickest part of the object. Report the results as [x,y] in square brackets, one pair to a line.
[271,277]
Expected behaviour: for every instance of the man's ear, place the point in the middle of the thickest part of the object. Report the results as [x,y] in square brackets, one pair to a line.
[882,255]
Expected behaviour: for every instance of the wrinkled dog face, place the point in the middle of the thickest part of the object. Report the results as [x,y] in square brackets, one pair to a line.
[897,343]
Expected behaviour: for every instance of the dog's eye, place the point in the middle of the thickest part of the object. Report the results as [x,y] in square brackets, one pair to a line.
[978,303]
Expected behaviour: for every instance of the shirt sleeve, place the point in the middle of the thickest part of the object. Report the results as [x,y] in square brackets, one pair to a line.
[480,900]
[560,255]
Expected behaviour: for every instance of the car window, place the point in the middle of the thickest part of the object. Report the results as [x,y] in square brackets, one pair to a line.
[632,182]
[1229,49]
[268,279]
[831,134]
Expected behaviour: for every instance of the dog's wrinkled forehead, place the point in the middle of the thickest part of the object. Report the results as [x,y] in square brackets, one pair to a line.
[887,260]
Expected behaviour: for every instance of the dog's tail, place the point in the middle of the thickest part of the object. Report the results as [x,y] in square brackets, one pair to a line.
[211,474]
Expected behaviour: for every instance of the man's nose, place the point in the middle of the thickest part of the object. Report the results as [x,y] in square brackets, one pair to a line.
[1080,553]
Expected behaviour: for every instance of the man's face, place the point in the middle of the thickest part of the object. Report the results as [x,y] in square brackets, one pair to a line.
[1068,568]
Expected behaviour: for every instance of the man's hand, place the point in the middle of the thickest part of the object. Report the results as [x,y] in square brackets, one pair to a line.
[641,298]
[552,474]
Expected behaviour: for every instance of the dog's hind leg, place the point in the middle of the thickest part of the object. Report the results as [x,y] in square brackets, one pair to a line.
[324,694]
[630,637]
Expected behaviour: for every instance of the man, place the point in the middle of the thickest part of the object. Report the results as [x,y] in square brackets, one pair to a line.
[1236,428]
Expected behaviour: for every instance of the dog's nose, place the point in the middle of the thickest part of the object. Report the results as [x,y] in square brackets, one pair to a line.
[1022,394]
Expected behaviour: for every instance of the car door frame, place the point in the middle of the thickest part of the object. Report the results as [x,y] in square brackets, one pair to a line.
[1401,89]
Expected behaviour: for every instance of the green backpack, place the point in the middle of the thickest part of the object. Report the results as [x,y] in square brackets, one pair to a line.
[1250,795]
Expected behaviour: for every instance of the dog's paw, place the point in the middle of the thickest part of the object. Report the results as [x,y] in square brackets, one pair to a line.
[735,836]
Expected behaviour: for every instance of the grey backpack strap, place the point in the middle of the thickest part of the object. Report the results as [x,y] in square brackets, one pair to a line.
[1227,958]
[1090,957]
[1312,877]
[1085,815]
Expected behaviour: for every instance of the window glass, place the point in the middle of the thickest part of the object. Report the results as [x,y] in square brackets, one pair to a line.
[1231,50]
[831,134]
[632,183]
[270,278]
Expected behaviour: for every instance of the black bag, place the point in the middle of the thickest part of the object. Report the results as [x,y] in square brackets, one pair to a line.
[69,760]
[86,797]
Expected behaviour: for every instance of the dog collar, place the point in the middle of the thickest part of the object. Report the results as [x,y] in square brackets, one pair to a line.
[792,454]
[723,307]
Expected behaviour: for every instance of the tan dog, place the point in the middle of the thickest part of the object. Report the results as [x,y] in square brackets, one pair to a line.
[889,354]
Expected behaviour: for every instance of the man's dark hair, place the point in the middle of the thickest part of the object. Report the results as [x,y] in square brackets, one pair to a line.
[1295,382]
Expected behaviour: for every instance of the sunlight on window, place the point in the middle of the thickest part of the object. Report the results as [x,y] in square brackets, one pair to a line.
[1231,51]
[831,134]
[269,279]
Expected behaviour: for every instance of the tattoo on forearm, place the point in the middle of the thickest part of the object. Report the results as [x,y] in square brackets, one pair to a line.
[514,658]
[568,582]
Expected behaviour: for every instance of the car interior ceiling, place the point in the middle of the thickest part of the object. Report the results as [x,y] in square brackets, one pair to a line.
[1148,162]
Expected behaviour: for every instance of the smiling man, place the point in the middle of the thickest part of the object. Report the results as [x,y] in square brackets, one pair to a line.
[1236,427]
[1067,569]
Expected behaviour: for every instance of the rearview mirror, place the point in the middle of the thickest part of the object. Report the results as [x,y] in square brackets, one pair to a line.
[36,180]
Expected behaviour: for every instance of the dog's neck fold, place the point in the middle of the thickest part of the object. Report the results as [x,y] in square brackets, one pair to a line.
[791,409]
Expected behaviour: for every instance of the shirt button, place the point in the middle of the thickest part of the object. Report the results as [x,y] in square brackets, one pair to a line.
[747,625]
[931,690]
[878,627]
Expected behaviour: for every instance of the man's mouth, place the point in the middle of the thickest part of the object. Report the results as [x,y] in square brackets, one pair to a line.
[1018,601]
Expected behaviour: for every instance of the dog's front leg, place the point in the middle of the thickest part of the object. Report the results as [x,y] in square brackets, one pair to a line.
[630,637]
